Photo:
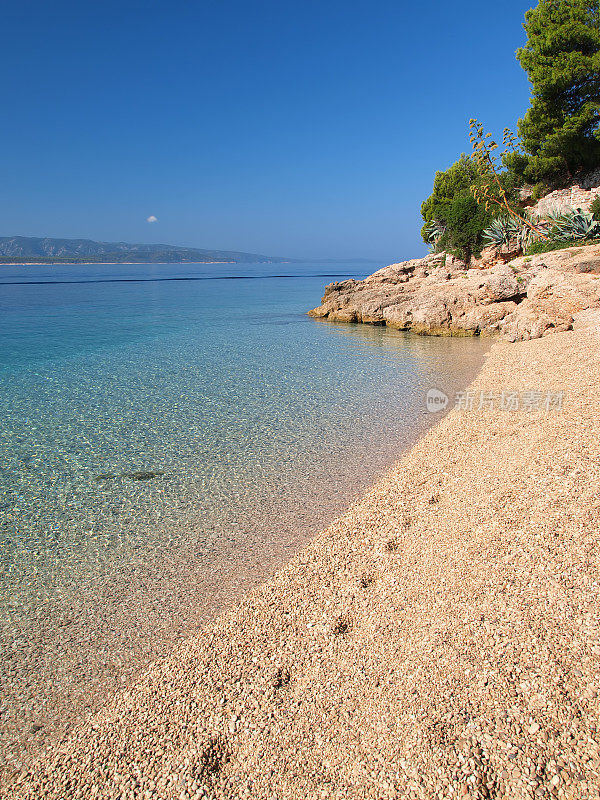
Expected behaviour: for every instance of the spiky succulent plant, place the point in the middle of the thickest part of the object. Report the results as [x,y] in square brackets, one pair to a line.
[574,225]
[528,235]
[506,230]
[435,230]
[502,231]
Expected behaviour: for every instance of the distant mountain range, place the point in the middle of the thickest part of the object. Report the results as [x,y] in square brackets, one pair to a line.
[29,249]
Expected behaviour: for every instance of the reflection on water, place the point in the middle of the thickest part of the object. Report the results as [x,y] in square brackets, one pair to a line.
[166,445]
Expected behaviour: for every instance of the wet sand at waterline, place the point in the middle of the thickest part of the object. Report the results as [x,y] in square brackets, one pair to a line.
[440,639]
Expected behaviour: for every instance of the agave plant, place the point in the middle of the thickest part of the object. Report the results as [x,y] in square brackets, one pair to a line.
[576,224]
[530,235]
[502,231]
[505,231]
[434,230]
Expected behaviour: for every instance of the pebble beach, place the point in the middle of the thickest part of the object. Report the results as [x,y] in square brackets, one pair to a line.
[440,639]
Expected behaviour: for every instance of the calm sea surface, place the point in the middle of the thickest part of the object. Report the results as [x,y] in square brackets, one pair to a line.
[169,435]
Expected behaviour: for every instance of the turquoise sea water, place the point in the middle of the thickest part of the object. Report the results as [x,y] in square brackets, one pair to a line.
[258,423]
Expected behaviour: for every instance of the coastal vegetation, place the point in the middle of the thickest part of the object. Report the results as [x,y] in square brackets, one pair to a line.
[454,220]
[539,234]
[556,244]
[560,131]
[482,200]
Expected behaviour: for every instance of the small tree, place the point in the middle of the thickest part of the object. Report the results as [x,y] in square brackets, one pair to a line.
[561,130]
[464,220]
[454,221]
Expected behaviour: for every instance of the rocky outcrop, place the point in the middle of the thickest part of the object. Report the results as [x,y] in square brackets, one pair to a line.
[578,196]
[524,299]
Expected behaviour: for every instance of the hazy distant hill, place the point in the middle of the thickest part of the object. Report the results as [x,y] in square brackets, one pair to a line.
[32,249]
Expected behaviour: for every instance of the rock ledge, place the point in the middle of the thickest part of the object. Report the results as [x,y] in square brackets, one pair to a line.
[527,298]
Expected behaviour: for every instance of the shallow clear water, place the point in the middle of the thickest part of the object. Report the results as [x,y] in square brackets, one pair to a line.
[259,423]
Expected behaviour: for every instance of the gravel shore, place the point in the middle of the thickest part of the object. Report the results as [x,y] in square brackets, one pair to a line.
[440,639]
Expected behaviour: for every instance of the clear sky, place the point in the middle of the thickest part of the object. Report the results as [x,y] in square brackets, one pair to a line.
[306,129]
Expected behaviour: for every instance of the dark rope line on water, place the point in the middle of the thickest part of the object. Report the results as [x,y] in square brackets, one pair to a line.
[188,278]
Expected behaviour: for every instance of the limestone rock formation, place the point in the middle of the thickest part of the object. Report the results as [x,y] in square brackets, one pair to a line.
[524,299]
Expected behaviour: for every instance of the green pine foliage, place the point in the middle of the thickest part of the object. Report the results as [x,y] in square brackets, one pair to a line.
[465,221]
[461,220]
[456,180]
[560,132]
[559,136]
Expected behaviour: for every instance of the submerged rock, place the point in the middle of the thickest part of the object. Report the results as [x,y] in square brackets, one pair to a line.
[142,476]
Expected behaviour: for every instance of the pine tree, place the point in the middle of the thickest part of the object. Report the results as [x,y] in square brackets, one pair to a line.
[561,130]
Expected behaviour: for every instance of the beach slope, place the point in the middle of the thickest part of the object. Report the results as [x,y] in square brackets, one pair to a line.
[441,639]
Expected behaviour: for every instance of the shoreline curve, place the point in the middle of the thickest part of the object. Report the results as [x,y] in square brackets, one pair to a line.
[439,639]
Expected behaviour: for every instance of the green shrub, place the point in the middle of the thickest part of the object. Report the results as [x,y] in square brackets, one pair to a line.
[457,179]
[595,208]
[554,244]
[465,220]
[454,221]
[540,190]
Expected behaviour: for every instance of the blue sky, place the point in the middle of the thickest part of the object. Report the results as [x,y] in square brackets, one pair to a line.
[307,129]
